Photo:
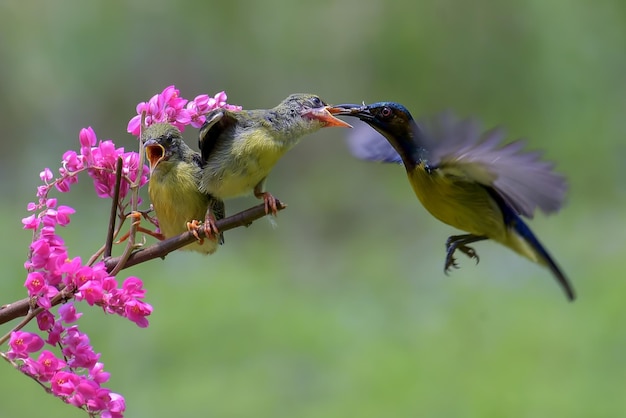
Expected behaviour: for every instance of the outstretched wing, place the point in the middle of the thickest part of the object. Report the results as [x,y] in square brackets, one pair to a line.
[367,144]
[217,121]
[459,147]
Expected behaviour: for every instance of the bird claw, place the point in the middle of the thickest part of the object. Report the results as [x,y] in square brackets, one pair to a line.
[193,227]
[135,215]
[450,263]
[451,246]
[270,203]
[468,251]
[210,227]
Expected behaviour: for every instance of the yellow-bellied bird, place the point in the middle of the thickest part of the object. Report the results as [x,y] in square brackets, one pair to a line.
[174,187]
[240,148]
[468,179]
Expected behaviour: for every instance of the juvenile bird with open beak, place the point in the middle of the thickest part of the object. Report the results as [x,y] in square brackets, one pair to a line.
[175,174]
[240,148]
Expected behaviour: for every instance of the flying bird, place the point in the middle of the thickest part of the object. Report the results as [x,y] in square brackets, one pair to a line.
[467,179]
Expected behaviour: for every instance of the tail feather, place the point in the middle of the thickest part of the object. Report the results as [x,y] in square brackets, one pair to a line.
[524,232]
[537,250]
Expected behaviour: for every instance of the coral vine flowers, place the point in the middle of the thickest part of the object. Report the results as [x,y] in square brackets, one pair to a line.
[75,374]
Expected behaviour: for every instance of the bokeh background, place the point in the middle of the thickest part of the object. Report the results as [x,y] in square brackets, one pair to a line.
[340,307]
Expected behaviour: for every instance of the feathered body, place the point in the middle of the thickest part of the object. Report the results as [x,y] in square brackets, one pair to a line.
[175,175]
[240,148]
[467,179]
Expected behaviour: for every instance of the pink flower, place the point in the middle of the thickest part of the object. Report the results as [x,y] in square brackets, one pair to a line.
[133,287]
[45,321]
[91,292]
[64,383]
[68,314]
[54,335]
[115,407]
[137,311]
[98,374]
[21,343]
[48,365]
[72,161]
[87,138]
[31,222]
[46,175]
[35,283]
[169,107]
[63,215]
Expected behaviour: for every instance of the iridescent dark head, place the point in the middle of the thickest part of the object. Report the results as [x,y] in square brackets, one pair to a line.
[392,120]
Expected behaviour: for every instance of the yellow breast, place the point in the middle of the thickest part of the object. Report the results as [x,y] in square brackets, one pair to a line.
[237,169]
[456,202]
[177,200]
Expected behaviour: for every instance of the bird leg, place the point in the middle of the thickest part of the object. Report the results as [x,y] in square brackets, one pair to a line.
[459,242]
[136,217]
[193,227]
[270,201]
[209,225]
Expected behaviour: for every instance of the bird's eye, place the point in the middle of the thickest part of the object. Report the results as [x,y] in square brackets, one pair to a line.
[316,102]
[385,112]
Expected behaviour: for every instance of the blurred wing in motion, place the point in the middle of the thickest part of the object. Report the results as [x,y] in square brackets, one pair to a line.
[367,144]
[460,148]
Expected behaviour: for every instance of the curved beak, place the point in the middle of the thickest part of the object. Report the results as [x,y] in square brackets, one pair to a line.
[325,116]
[360,111]
[154,152]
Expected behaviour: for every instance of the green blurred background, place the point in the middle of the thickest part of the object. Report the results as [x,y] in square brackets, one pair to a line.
[340,309]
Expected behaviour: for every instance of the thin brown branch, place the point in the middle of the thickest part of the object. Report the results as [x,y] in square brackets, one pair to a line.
[108,246]
[20,308]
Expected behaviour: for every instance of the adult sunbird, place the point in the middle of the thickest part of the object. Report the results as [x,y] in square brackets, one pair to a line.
[467,179]
[240,148]
[174,187]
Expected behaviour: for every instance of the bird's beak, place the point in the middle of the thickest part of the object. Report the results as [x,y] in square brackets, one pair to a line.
[325,116]
[360,111]
[154,152]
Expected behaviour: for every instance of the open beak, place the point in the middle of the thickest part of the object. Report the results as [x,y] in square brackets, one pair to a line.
[325,116]
[154,152]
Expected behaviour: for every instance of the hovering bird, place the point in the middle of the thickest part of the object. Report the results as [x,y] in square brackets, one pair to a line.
[175,173]
[240,148]
[467,179]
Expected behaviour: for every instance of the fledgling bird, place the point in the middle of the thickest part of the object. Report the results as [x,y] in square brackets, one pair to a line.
[240,148]
[467,179]
[174,187]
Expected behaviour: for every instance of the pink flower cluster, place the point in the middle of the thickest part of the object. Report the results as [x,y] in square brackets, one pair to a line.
[168,106]
[78,377]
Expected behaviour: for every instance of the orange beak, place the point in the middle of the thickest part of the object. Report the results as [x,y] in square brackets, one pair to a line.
[325,116]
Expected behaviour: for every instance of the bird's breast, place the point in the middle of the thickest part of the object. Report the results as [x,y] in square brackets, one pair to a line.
[459,203]
[177,200]
[236,169]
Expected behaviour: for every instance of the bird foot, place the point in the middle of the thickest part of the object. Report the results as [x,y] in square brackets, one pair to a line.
[458,243]
[193,227]
[270,202]
[136,216]
[210,226]
[210,229]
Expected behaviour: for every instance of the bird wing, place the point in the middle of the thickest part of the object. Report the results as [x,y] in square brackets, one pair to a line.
[216,123]
[367,144]
[460,148]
